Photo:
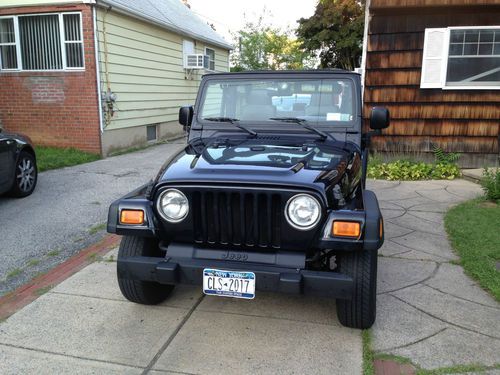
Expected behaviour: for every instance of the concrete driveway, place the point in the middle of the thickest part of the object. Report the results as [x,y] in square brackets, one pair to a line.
[67,211]
[428,311]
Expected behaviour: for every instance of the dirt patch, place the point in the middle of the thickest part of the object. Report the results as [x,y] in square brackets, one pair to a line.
[488,204]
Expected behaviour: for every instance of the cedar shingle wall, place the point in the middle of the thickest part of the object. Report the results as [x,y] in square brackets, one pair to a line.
[466,121]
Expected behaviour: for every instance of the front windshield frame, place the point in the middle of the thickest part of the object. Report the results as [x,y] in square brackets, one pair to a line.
[353,122]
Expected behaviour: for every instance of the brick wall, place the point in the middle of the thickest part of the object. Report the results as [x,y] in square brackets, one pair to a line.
[54,108]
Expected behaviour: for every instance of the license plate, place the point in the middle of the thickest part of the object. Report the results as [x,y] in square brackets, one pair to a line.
[229,283]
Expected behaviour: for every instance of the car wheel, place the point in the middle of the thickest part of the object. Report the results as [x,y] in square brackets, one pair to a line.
[26,175]
[360,310]
[138,291]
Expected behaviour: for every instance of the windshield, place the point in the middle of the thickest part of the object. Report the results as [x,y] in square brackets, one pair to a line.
[318,101]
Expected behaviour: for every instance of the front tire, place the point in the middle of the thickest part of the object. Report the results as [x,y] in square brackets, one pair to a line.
[138,291]
[360,310]
[25,176]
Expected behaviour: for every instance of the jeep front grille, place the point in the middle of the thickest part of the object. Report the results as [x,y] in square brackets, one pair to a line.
[251,218]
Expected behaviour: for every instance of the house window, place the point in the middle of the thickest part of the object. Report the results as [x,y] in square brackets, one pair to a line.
[151,133]
[461,58]
[211,58]
[41,42]
[8,54]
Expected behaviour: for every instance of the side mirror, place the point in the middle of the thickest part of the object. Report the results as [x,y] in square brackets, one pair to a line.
[186,115]
[379,118]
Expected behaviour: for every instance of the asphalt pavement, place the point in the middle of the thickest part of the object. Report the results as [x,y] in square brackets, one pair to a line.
[67,211]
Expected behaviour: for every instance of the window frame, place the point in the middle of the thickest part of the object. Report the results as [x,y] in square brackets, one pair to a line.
[16,44]
[62,44]
[210,61]
[446,55]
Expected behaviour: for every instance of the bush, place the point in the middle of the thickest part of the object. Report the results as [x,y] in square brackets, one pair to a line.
[405,170]
[491,184]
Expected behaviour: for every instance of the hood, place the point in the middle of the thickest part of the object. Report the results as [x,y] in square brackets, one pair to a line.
[318,166]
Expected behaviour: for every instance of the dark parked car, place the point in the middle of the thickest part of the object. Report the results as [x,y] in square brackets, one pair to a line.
[18,171]
[263,197]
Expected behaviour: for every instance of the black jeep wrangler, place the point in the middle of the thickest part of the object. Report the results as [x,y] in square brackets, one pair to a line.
[268,195]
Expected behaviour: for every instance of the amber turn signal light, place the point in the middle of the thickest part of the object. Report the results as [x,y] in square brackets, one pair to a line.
[132,217]
[346,229]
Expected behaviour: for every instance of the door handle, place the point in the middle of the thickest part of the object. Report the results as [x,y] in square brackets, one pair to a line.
[9,142]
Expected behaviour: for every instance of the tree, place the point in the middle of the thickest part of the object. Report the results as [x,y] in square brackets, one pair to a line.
[336,31]
[261,47]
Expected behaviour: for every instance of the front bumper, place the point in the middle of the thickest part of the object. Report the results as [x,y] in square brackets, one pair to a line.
[277,272]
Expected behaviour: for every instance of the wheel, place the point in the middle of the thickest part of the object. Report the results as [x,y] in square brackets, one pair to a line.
[26,175]
[360,311]
[138,291]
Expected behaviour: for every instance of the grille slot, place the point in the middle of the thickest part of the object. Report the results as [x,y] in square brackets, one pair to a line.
[239,219]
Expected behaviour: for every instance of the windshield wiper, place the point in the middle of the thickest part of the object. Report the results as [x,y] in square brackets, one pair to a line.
[232,121]
[303,123]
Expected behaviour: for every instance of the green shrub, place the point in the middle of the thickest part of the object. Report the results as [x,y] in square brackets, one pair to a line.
[445,157]
[405,170]
[445,171]
[491,184]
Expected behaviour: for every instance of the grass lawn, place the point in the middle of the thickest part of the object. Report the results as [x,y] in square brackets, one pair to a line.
[473,229]
[53,158]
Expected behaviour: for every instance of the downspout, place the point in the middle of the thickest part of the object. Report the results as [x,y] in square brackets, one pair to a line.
[97,70]
[365,48]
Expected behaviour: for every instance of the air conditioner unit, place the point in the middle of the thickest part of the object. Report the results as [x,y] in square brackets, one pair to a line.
[196,61]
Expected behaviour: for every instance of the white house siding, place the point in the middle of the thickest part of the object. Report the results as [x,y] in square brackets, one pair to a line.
[145,70]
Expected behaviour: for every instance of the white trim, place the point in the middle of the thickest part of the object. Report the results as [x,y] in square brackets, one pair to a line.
[444,66]
[81,42]
[97,69]
[209,61]
[365,48]
[18,45]
[62,43]
[61,40]
[446,53]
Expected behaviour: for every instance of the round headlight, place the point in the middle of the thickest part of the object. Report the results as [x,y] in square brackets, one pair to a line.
[303,211]
[173,205]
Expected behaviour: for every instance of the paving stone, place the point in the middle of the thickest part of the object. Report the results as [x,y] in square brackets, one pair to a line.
[432,217]
[411,222]
[399,324]
[452,279]
[428,243]
[388,205]
[99,280]
[379,185]
[394,274]
[452,347]
[390,248]
[464,189]
[98,329]
[469,315]
[388,213]
[393,230]
[440,196]
[430,207]
[211,343]
[397,194]
[280,306]
[424,256]
[16,361]
[410,202]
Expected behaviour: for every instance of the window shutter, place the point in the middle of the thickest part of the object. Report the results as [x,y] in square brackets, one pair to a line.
[434,58]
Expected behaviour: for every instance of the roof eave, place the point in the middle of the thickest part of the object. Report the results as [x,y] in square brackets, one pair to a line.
[177,30]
